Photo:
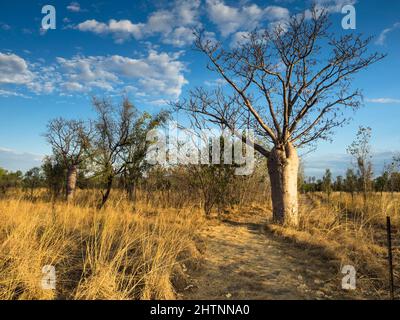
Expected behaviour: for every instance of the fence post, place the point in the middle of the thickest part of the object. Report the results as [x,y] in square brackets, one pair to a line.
[390,257]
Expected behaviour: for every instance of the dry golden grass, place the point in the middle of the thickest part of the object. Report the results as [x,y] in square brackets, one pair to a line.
[352,232]
[119,252]
[136,251]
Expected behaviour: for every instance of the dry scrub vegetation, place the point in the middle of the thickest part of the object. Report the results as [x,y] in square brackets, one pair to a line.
[118,252]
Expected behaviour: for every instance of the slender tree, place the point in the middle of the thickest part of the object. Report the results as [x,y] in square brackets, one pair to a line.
[120,144]
[289,84]
[327,183]
[135,153]
[360,149]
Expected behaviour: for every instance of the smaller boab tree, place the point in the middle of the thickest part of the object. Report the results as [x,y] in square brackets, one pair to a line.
[289,84]
[70,141]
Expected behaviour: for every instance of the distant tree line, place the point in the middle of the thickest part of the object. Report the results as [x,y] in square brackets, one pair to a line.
[359,179]
[110,152]
[389,181]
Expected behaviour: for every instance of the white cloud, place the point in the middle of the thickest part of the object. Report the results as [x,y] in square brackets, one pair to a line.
[73,86]
[231,19]
[180,37]
[74,7]
[384,100]
[239,38]
[173,25]
[158,74]
[14,70]
[121,30]
[383,35]
[93,26]
[125,27]
[276,13]
[160,21]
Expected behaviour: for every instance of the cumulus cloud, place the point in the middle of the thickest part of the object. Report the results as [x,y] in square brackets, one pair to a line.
[180,37]
[383,35]
[173,25]
[231,19]
[159,74]
[121,30]
[14,69]
[239,38]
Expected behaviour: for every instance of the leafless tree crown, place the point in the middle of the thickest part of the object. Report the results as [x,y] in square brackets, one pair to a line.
[289,83]
[70,139]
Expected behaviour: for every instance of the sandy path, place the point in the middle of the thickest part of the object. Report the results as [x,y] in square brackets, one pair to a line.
[241,261]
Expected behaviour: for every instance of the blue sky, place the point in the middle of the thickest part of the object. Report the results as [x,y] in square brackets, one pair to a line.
[144,49]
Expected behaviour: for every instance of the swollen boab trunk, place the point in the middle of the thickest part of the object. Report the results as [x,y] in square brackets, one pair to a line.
[71,182]
[283,166]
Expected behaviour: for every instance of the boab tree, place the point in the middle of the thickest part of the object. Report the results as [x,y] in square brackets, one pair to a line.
[70,140]
[289,84]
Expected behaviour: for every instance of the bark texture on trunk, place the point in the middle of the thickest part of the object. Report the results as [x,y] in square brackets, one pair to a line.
[283,166]
[71,182]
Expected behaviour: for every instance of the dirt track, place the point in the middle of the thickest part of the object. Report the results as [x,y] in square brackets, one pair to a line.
[242,261]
